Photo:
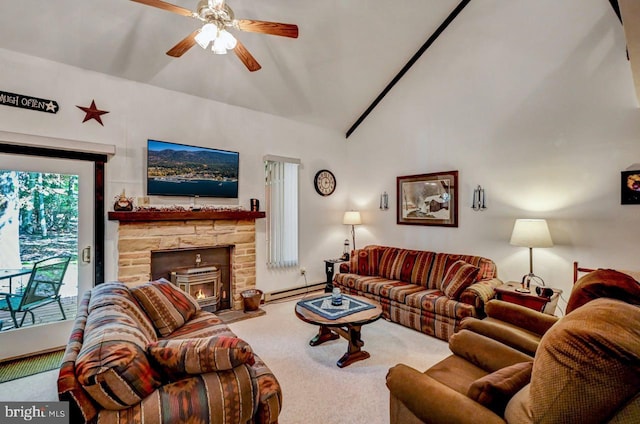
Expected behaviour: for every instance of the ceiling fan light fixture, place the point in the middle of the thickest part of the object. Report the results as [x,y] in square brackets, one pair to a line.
[229,40]
[219,46]
[207,34]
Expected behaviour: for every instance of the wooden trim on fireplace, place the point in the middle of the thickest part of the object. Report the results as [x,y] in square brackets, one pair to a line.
[141,216]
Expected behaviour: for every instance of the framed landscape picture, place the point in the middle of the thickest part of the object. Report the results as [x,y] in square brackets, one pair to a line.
[428,199]
[630,188]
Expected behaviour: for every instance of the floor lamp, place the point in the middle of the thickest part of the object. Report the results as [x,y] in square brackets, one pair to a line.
[530,233]
[352,218]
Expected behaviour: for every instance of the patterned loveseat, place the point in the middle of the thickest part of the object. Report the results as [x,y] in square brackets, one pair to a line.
[427,291]
[149,354]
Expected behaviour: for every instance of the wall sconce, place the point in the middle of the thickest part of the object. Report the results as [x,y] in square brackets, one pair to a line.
[478,199]
[384,201]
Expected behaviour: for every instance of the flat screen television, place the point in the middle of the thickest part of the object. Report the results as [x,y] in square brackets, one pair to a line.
[180,170]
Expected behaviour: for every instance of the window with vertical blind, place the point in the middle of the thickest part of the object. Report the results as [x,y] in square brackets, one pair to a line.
[281,186]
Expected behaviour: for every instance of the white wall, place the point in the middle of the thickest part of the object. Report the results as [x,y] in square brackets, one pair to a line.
[535,102]
[532,100]
[138,112]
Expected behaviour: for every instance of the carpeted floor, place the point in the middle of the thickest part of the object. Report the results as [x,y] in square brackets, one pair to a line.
[315,390]
[20,368]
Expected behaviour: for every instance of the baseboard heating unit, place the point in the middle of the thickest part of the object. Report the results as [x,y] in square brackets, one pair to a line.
[283,294]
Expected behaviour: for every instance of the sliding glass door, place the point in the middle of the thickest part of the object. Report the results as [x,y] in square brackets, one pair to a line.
[46,246]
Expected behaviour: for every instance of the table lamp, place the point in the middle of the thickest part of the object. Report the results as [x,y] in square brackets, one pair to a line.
[352,218]
[531,233]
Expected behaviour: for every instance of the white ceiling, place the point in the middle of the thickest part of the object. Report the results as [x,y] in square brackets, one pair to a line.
[347,51]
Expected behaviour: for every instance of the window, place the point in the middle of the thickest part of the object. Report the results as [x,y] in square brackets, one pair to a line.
[281,186]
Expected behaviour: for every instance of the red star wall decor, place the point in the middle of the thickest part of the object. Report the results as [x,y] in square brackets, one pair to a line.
[92,112]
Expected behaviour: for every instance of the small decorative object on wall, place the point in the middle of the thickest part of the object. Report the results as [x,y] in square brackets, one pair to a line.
[478,199]
[428,199]
[324,182]
[92,112]
[28,102]
[123,203]
[630,188]
[384,201]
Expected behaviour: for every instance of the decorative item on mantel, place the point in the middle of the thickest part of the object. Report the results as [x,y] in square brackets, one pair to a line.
[177,208]
[478,199]
[123,203]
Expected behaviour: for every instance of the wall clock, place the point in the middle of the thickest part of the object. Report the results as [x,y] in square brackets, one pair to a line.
[324,182]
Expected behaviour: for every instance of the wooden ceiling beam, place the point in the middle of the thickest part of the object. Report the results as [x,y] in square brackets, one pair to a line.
[409,64]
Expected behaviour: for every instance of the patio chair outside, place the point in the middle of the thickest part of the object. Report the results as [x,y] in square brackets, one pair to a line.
[42,289]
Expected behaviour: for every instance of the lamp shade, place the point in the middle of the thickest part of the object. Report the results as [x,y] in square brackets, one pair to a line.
[352,218]
[531,233]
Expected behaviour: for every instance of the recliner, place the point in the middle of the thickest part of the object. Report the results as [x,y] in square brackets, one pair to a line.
[522,328]
[586,369]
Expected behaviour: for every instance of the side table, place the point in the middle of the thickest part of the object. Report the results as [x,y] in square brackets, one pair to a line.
[329,265]
[508,293]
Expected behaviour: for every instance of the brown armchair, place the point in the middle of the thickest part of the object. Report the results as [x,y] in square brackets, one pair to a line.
[586,369]
[522,328]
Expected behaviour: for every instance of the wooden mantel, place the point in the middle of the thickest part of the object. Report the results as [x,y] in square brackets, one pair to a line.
[142,216]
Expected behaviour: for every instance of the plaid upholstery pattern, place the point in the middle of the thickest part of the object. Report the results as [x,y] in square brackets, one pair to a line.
[200,355]
[110,316]
[167,306]
[408,287]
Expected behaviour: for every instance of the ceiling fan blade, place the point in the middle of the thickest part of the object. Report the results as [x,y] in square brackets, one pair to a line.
[243,54]
[166,6]
[184,45]
[264,27]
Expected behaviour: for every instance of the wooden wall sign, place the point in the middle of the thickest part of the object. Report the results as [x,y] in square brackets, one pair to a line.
[28,102]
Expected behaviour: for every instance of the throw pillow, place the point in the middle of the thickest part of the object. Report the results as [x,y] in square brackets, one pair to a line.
[365,261]
[200,355]
[496,389]
[458,277]
[167,306]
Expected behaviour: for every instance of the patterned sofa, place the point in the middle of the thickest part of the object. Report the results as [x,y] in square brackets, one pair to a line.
[149,354]
[427,291]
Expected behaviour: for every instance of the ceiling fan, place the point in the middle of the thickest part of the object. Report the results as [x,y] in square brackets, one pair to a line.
[218,17]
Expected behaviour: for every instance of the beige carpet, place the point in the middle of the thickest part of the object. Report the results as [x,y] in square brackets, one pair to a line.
[315,390]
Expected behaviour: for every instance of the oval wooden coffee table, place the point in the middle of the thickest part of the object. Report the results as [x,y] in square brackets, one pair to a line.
[348,326]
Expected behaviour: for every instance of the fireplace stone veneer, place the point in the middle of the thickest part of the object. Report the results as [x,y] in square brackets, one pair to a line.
[139,235]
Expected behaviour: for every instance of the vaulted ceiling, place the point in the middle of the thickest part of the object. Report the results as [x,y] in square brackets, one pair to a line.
[346,53]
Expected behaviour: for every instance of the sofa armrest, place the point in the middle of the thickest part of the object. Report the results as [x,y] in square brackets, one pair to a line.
[486,353]
[432,401]
[344,268]
[269,393]
[216,397]
[478,294]
[520,316]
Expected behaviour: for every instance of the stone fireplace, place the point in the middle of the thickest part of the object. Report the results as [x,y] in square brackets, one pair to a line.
[143,235]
